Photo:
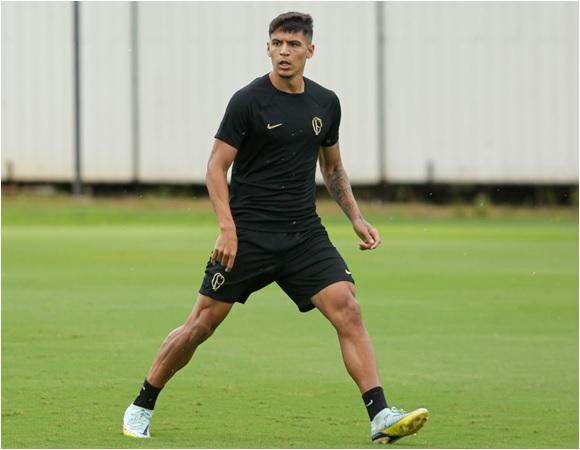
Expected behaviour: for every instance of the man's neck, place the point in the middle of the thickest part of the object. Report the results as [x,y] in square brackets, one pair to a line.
[294,85]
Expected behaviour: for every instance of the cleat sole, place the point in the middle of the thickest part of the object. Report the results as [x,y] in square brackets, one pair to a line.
[405,427]
[133,435]
[382,440]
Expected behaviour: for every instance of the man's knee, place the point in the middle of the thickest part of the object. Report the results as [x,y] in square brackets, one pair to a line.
[197,331]
[347,311]
[198,328]
[206,316]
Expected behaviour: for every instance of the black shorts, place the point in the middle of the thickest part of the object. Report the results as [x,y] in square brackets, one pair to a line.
[302,264]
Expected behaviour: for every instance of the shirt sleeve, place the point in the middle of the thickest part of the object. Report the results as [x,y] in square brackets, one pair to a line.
[331,137]
[235,122]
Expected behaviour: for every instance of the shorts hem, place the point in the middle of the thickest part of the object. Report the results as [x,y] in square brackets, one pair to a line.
[310,306]
[221,298]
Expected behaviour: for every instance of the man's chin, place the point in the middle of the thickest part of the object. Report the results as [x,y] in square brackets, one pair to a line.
[285,74]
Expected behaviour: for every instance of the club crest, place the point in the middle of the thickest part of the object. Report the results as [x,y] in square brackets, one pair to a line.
[217,281]
[317,125]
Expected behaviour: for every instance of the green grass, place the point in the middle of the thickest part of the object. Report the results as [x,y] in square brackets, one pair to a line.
[475,318]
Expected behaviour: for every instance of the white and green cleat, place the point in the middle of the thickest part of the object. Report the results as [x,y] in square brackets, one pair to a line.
[136,422]
[391,424]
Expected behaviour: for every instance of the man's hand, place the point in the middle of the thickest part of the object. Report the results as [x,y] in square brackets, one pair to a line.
[225,249]
[369,234]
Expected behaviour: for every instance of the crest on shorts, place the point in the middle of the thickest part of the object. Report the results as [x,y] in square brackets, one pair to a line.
[217,281]
[317,125]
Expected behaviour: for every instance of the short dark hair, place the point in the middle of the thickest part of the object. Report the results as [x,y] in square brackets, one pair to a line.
[293,22]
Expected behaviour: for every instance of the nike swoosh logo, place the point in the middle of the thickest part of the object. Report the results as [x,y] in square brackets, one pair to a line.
[369,404]
[349,273]
[270,127]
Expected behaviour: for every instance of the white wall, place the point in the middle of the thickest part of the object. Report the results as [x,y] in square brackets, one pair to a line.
[482,91]
[106,91]
[474,91]
[37,89]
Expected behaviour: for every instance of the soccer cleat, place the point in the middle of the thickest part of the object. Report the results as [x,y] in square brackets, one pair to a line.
[136,421]
[391,424]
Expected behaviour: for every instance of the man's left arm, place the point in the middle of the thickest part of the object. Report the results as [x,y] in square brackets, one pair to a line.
[338,185]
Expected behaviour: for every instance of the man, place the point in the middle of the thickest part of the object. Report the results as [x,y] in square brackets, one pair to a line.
[274,130]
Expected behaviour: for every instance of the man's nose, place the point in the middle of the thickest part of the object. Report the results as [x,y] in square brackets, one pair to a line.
[285,49]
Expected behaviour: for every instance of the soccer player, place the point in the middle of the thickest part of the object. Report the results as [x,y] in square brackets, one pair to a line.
[273,132]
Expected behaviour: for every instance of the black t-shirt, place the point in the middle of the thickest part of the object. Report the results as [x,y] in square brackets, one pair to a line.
[278,136]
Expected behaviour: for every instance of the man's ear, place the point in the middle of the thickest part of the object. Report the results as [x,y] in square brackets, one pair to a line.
[310,52]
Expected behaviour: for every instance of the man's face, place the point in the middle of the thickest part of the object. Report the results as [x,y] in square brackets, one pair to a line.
[289,52]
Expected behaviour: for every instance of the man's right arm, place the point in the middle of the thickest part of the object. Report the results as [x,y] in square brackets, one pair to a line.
[220,160]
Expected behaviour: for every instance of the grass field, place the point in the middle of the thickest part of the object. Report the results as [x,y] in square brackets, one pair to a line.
[474,318]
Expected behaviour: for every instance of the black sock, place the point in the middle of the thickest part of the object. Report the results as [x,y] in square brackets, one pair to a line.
[374,401]
[147,396]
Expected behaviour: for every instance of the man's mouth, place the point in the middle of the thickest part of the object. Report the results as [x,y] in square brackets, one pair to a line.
[284,65]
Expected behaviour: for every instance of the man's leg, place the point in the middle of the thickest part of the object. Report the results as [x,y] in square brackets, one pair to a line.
[338,304]
[179,346]
[175,352]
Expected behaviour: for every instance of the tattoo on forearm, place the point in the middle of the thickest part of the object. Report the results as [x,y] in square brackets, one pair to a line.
[339,187]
